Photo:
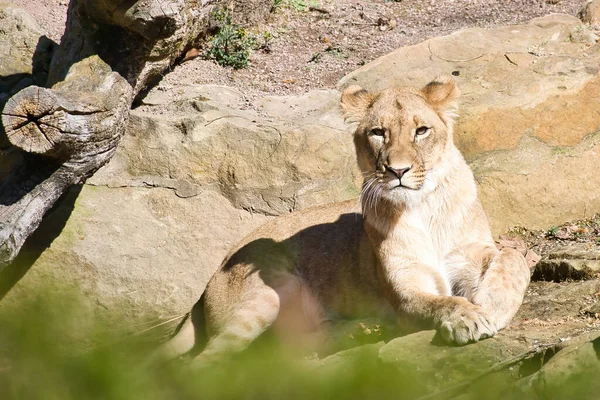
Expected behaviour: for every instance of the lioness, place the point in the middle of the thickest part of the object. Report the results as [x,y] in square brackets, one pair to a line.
[421,248]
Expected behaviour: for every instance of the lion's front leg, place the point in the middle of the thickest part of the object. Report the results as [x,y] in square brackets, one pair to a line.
[495,280]
[418,291]
[503,285]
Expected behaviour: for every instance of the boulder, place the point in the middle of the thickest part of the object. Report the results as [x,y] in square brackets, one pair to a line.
[578,261]
[193,175]
[529,120]
[590,13]
[22,41]
[296,156]
[442,366]
[140,253]
[571,373]
[556,304]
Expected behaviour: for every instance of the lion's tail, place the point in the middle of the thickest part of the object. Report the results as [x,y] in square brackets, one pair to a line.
[189,335]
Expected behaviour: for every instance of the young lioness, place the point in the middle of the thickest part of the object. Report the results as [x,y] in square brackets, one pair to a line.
[422,247]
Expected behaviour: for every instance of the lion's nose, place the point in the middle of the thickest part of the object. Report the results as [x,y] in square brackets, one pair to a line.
[398,172]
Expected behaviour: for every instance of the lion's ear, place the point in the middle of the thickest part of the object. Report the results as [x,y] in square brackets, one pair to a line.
[355,101]
[442,94]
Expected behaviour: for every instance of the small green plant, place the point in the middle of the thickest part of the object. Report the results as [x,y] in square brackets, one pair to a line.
[298,5]
[231,45]
[263,41]
[336,51]
[316,57]
[552,231]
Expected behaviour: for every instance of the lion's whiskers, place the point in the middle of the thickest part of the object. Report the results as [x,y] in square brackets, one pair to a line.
[371,191]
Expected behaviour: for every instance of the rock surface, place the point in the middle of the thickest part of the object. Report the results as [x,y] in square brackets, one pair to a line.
[538,356]
[22,40]
[590,13]
[194,174]
[579,261]
[571,373]
[528,120]
[297,156]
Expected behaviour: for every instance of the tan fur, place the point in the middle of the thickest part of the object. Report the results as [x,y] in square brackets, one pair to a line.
[421,248]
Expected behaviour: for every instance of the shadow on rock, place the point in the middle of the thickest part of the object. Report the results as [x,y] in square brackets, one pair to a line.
[49,229]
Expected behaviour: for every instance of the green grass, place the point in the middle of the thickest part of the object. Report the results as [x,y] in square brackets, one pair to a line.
[51,348]
[298,5]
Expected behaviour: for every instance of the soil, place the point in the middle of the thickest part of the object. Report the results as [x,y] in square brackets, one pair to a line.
[569,308]
[315,43]
[543,242]
[50,14]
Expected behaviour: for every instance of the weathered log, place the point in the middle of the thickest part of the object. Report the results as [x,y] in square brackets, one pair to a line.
[110,52]
[138,39]
[75,119]
[77,124]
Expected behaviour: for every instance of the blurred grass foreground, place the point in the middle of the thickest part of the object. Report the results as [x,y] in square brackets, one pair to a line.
[52,348]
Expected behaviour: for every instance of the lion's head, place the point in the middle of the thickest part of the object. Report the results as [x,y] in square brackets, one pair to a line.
[402,138]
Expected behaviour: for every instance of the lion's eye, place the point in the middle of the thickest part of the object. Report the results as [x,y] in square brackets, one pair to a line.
[421,130]
[377,132]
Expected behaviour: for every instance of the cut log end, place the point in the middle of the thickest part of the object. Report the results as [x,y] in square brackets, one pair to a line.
[33,121]
[75,119]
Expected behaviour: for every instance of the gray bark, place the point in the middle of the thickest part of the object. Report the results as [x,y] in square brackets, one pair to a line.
[111,51]
[64,135]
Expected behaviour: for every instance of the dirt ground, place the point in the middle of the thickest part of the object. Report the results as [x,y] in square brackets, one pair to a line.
[314,47]
[543,242]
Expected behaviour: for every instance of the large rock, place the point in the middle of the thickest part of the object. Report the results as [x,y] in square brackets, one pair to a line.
[139,253]
[442,366]
[590,13]
[572,373]
[296,156]
[529,117]
[24,50]
[577,261]
[193,175]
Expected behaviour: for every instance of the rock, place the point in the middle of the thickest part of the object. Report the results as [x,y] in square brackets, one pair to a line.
[193,175]
[556,304]
[577,262]
[368,353]
[590,13]
[528,125]
[24,50]
[201,137]
[134,252]
[441,366]
[571,373]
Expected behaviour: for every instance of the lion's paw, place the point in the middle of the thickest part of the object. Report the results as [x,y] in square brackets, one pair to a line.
[466,324]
